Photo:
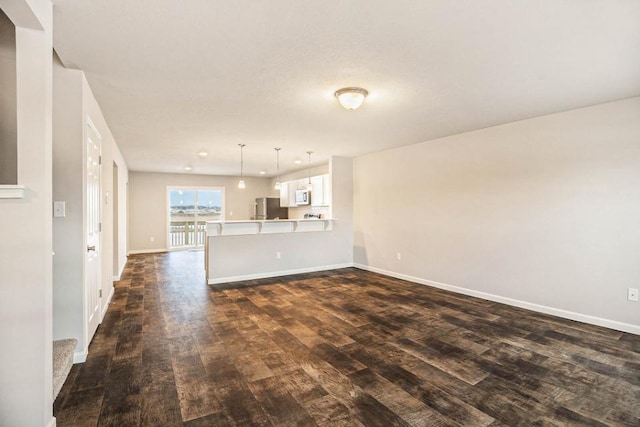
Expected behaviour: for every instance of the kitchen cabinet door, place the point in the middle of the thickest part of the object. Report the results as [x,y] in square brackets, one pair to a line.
[292,194]
[317,191]
[284,194]
[326,190]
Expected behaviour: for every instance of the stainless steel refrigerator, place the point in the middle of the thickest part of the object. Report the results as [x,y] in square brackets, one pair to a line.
[269,208]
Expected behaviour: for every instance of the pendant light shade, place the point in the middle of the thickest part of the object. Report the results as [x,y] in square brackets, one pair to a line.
[241,184]
[351,98]
[277,186]
[309,173]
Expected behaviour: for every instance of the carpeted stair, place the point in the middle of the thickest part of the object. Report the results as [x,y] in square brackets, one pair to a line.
[62,362]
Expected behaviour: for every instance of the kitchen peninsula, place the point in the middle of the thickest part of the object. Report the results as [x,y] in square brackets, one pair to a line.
[264,247]
[253,249]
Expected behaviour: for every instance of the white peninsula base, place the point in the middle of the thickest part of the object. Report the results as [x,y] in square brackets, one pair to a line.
[247,250]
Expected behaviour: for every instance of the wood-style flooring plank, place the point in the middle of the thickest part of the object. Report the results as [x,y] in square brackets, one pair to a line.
[338,348]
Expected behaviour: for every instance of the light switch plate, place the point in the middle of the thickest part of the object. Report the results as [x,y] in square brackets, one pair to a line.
[59,209]
[632,294]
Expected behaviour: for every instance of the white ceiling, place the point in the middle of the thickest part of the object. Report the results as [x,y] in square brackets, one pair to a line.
[176,77]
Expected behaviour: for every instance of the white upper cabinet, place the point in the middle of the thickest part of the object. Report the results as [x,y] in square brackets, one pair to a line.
[284,194]
[288,194]
[326,189]
[292,194]
[320,190]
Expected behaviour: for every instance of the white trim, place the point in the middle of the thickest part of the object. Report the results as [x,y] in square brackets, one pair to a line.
[106,304]
[52,422]
[119,276]
[228,279]
[94,129]
[11,191]
[80,356]
[580,317]
[146,251]
[186,248]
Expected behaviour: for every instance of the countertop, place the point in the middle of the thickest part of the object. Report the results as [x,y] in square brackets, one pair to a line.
[240,221]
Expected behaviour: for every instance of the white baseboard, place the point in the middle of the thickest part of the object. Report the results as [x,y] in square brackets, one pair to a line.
[120,271]
[107,302]
[146,251]
[229,279]
[80,356]
[52,422]
[565,314]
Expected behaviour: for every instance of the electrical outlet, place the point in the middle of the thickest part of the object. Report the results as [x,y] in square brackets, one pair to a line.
[278,255]
[632,294]
[152,239]
[398,256]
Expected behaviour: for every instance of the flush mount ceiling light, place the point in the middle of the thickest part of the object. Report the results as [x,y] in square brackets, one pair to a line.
[187,168]
[351,98]
[203,154]
[241,182]
[297,161]
[277,186]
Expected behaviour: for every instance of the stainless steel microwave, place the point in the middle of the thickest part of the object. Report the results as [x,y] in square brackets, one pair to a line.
[302,197]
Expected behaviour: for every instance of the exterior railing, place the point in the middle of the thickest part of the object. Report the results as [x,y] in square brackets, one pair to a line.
[187,233]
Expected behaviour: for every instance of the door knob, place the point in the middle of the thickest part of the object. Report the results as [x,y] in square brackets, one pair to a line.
[91,248]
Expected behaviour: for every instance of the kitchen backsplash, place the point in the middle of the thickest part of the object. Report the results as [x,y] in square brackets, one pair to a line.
[298,213]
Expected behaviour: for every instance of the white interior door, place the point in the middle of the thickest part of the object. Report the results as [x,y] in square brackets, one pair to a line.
[92,269]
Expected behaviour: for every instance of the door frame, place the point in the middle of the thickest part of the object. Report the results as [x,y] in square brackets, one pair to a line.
[88,335]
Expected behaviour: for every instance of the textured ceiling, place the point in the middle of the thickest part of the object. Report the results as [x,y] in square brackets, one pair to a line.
[176,77]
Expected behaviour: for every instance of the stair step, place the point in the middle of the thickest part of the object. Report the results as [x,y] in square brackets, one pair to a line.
[62,362]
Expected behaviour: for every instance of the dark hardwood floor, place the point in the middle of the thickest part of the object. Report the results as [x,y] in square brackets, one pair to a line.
[345,347]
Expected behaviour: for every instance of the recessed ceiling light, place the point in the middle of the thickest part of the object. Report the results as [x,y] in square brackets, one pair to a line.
[263,172]
[187,168]
[297,161]
[203,154]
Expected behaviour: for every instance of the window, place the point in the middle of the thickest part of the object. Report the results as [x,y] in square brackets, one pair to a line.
[189,210]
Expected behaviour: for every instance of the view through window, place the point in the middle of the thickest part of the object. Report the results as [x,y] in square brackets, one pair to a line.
[189,209]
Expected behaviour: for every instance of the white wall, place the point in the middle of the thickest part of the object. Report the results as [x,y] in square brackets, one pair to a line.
[8,146]
[68,234]
[110,154]
[148,199]
[542,211]
[25,230]
[74,103]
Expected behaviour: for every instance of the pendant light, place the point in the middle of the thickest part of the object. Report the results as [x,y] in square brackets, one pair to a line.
[241,182]
[309,183]
[277,186]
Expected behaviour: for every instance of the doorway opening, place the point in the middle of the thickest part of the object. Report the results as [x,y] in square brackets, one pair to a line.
[189,209]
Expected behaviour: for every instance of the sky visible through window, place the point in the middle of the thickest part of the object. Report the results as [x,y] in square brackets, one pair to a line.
[186,198]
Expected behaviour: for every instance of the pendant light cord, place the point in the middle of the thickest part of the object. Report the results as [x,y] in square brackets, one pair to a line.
[241,159]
